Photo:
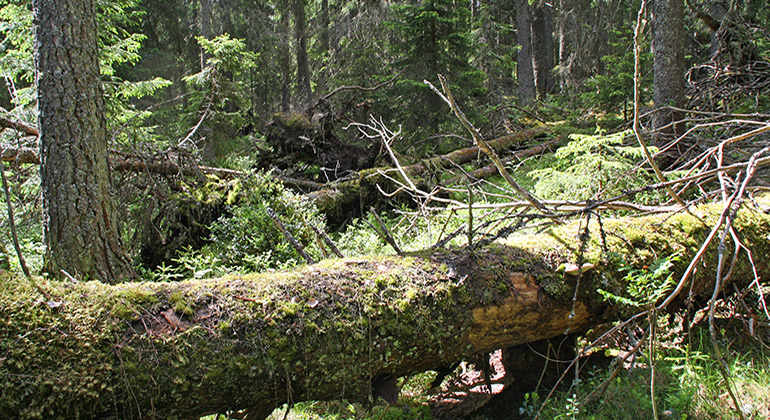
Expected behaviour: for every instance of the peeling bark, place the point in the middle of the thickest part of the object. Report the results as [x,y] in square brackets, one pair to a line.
[327,331]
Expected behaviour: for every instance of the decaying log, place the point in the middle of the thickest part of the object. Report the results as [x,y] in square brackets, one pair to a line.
[340,200]
[327,331]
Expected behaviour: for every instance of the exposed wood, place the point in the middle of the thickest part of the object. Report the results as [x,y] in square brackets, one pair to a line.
[327,331]
[342,199]
[490,170]
[20,126]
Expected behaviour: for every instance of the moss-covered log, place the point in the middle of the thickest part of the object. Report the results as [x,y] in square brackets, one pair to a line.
[181,350]
[342,200]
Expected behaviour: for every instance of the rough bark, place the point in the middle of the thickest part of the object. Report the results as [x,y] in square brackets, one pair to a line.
[327,331]
[205,26]
[524,71]
[304,92]
[284,58]
[668,69]
[542,48]
[79,223]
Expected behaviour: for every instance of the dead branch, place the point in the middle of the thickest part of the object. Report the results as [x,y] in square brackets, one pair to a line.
[449,99]
[22,127]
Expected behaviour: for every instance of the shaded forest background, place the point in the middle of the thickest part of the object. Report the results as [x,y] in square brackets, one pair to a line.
[275,85]
[234,126]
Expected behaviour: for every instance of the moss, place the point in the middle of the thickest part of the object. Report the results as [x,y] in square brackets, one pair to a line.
[180,304]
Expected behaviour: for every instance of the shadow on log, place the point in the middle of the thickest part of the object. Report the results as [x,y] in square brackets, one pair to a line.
[326,331]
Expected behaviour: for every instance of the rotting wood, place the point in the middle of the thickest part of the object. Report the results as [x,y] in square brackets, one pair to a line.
[325,331]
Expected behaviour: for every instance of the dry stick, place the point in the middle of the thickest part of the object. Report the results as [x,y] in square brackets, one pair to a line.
[470,221]
[197,126]
[637,126]
[580,354]
[449,99]
[12,223]
[327,240]
[385,233]
[297,246]
[653,320]
[718,285]
[621,360]
[387,136]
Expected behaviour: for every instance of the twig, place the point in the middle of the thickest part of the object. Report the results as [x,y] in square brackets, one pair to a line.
[725,218]
[385,233]
[327,240]
[449,99]
[12,223]
[470,220]
[294,243]
[653,319]
[361,88]
[531,114]
[197,126]
[718,287]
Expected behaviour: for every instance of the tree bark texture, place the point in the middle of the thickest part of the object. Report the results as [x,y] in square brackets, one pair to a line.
[205,26]
[524,72]
[79,224]
[669,88]
[304,92]
[284,57]
[542,48]
[326,331]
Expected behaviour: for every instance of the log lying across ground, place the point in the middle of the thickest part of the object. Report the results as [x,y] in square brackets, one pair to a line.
[332,330]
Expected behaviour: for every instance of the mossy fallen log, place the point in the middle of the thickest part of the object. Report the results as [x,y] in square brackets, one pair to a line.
[341,200]
[182,350]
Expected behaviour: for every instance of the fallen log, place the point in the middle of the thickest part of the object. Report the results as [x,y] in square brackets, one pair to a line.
[340,200]
[327,331]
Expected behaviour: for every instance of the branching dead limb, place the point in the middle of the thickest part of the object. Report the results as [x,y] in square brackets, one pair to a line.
[482,144]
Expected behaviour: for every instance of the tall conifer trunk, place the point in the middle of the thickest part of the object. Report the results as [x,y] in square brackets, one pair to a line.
[668,69]
[80,228]
[524,71]
[304,91]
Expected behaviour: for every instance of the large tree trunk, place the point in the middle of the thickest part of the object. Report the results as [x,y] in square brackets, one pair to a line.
[328,331]
[524,72]
[79,224]
[669,88]
[304,92]
[542,48]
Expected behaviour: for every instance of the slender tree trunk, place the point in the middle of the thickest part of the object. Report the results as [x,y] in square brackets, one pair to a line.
[542,48]
[205,24]
[304,92]
[325,22]
[524,71]
[285,60]
[81,232]
[226,26]
[562,27]
[668,66]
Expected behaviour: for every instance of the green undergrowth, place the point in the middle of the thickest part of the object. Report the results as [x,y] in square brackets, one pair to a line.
[688,384]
